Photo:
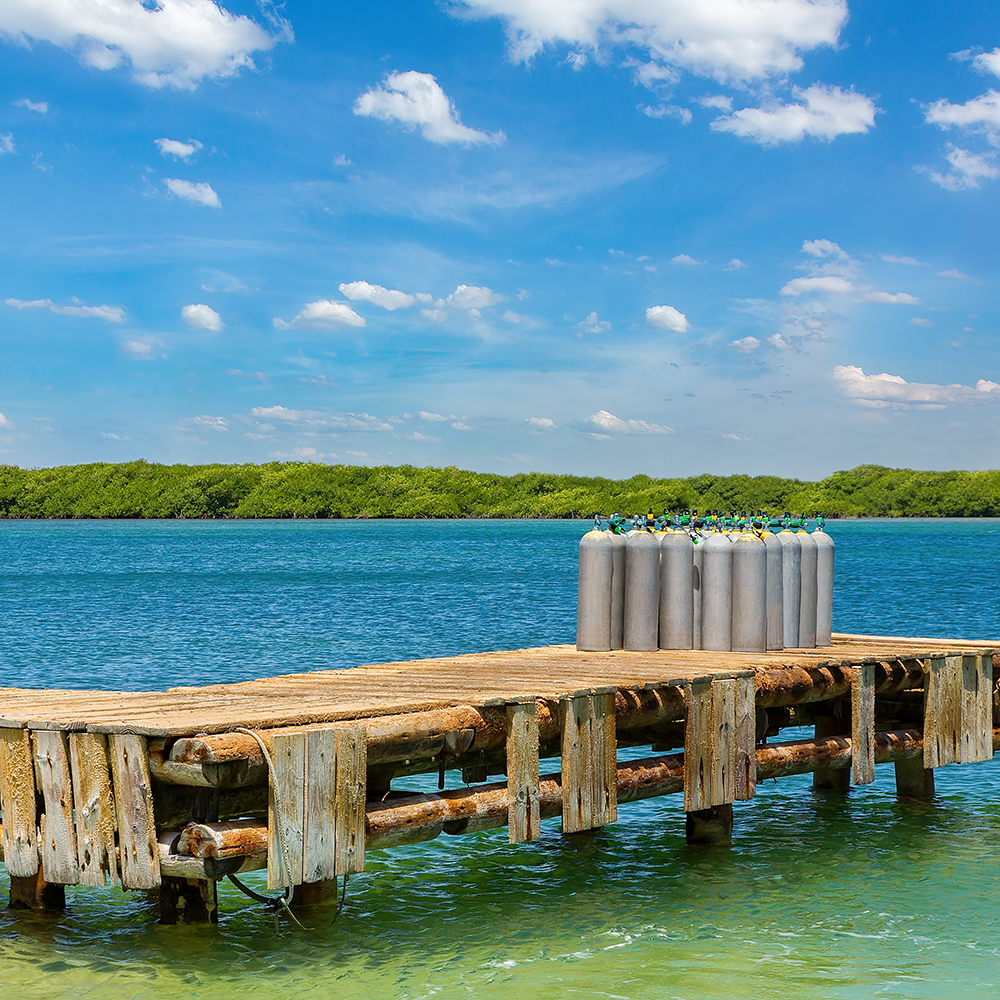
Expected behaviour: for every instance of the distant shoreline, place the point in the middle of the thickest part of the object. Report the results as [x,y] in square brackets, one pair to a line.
[292,490]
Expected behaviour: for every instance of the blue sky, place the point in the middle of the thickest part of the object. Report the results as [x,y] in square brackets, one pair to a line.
[589,236]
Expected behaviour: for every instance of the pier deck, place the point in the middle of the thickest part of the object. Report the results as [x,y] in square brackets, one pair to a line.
[176,789]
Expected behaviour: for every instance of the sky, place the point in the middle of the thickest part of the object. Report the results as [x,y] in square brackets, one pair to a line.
[601,237]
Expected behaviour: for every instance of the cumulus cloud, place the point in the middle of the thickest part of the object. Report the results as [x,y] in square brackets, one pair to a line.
[198,316]
[981,114]
[144,348]
[303,454]
[685,261]
[7,143]
[387,298]
[667,318]
[884,391]
[967,169]
[593,324]
[4,422]
[417,100]
[745,345]
[319,419]
[197,194]
[683,115]
[893,298]
[473,297]
[323,313]
[541,423]
[821,112]
[41,107]
[820,283]
[172,43]
[435,315]
[715,38]
[957,275]
[610,424]
[735,265]
[205,423]
[112,314]
[177,149]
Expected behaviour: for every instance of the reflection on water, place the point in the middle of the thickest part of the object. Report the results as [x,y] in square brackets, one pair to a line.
[818,899]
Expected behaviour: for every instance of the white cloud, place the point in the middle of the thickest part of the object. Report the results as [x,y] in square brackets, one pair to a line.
[473,297]
[197,194]
[981,114]
[592,323]
[883,390]
[718,101]
[322,313]
[437,418]
[340,160]
[958,275]
[176,43]
[744,345]
[318,419]
[205,423]
[541,423]
[198,316]
[301,455]
[435,315]
[460,425]
[513,317]
[387,298]
[920,321]
[985,62]
[416,99]
[143,348]
[112,314]
[667,318]
[4,422]
[177,149]
[821,283]
[685,261]
[683,115]
[735,265]
[911,261]
[823,112]
[6,143]
[41,107]
[609,423]
[825,249]
[718,38]
[893,298]
[967,169]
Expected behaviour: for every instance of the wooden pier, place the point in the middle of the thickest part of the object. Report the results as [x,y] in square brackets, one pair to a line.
[172,791]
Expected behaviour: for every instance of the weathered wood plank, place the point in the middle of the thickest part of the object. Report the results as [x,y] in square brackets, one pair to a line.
[58,853]
[746,739]
[319,795]
[352,765]
[943,711]
[604,797]
[985,725]
[17,803]
[286,806]
[699,744]
[96,822]
[722,789]
[140,862]
[863,724]
[977,709]
[577,764]
[523,817]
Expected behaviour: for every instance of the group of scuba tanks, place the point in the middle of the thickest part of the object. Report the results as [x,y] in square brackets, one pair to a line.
[741,583]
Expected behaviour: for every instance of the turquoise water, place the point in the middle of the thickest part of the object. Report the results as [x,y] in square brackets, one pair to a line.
[851,898]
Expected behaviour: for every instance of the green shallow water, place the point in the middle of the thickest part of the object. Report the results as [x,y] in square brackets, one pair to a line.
[818,897]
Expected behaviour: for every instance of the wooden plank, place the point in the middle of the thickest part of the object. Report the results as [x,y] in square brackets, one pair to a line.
[140,862]
[943,711]
[320,799]
[604,757]
[523,816]
[58,836]
[985,725]
[863,724]
[352,771]
[286,806]
[96,823]
[722,788]
[577,764]
[977,709]
[17,803]
[699,742]
[746,739]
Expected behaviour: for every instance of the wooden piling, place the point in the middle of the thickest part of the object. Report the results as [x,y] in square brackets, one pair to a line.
[96,823]
[58,850]
[913,780]
[17,803]
[863,724]
[188,901]
[33,892]
[710,826]
[139,856]
[589,750]
[523,817]
[943,706]
[826,779]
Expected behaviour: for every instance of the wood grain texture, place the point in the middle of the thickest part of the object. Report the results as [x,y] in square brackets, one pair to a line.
[746,739]
[863,724]
[523,817]
[319,828]
[352,764]
[286,807]
[140,863]
[57,848]
[943,711]
[722,788]
[577,764]
[96,822]
[977,709]
[17,803]
[604,798]
[699,747]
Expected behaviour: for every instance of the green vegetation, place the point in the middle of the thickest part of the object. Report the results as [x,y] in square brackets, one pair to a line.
[289,489]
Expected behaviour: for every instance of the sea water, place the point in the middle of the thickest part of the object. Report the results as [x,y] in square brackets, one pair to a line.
[819,898]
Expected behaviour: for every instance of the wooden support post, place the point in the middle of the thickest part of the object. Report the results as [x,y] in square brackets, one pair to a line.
[140,861]
[719,763]
[943,703]
[32,892]
[58,852]
[863,724]
[319,830]
[17,803]
[828,779]
[589,760]
[977,708]
[352,768]
[188,901]
[746,738]
[286,806]
[699,745]
[913,780]
[710,826]
[96,824]
[523,817]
